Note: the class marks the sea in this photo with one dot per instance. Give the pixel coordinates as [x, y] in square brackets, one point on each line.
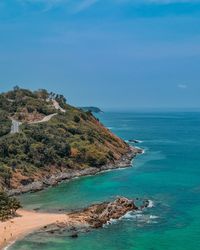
[167, 174]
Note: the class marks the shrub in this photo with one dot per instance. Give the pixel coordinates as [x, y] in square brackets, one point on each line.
[8, 206]
[76, 119]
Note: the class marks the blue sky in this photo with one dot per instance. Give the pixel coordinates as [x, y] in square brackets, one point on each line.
[108, 53]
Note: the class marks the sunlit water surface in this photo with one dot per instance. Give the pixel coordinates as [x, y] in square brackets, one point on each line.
[168, 174]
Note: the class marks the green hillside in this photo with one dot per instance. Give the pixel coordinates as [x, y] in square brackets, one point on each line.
[71, 139]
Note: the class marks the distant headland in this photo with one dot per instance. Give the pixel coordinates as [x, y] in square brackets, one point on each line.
[92, 109]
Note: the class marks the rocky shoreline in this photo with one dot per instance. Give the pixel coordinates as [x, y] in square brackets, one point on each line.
[93, 217]
[54, 179]
[71, 224]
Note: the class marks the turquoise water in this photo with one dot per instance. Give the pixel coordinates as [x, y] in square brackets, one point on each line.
[168, 174]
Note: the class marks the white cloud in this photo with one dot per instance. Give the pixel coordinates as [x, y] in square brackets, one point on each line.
[85, 4]
[76, 6]
[44, 1]
[47, 4]
[182, 86]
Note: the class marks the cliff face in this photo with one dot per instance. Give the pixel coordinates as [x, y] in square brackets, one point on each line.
[53, 138]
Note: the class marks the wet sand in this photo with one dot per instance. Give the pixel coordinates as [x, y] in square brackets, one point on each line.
[26, 222]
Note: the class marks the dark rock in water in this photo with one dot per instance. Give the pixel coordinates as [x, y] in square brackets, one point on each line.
[74, 235]
[145, 204]
[134, 141]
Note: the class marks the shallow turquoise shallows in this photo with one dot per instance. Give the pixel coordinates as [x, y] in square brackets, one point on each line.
[168, 174]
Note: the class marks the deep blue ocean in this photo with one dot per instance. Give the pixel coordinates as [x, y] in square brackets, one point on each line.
[168, 173]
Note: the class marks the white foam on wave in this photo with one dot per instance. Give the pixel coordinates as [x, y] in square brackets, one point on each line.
[134, 142]
[110, 128]
[110, 222]
[151, 204]
[138, 141]
[140, 218]
[137, 216]
[153, 217]
[8, 246]
[143, 151]
[130, 215]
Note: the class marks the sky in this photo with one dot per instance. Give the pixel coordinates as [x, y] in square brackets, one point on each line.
[121, 54]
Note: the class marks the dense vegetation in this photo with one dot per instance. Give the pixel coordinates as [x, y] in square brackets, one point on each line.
[5, 123]
[71, 140]
[8, 206]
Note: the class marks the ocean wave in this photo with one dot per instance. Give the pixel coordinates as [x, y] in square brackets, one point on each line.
[134, 142]
[132, 215]
[110, 222]
[143, 150]
[153, 217]
[140, 218]
[110, 128]
[138, 141]
[151, 204]
[9, 245]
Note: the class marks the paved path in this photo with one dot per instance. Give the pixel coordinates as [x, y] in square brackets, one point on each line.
[57, 106]
[45, 119]
[15, 126]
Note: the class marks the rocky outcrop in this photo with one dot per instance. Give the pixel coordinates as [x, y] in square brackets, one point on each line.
[94, 216]
[98, 215]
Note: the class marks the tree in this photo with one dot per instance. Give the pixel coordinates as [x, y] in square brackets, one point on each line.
[76, 119]
[8, 206]
[5, 174]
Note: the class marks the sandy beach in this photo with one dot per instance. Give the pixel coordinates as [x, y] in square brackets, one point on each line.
[25, 223]
[95, 216]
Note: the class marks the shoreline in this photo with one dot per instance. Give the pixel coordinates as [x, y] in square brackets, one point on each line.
[12, 229]
[26, 222]
[93, 217]
[55, 179]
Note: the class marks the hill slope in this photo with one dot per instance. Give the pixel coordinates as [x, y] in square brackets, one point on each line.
[70, 140]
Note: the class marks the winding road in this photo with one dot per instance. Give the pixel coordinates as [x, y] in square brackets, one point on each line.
[57, 106]
[15, 126]
[45, 119]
